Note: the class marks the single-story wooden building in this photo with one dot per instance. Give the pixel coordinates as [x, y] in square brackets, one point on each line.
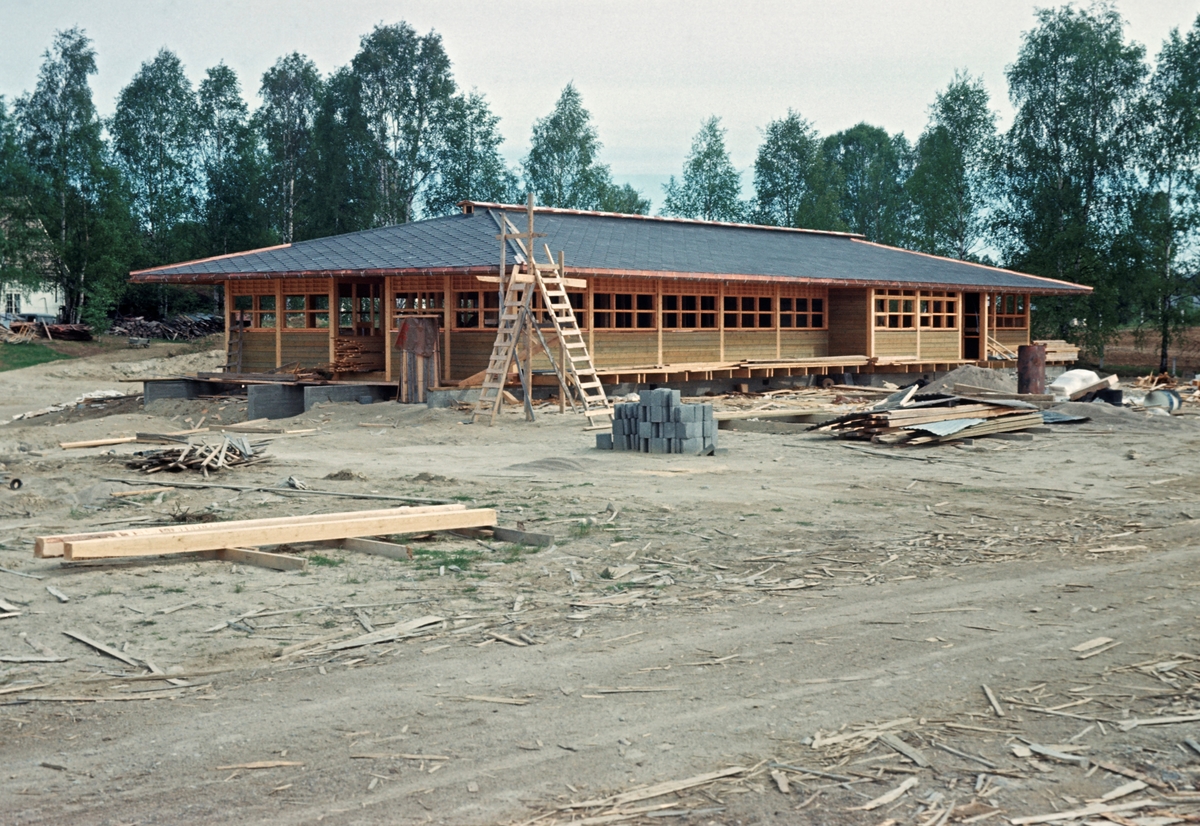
[666, 299]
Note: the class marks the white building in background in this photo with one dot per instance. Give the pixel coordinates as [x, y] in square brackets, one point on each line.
[16, 301]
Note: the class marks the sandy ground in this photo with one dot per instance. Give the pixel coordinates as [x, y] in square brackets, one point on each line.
[792, 604]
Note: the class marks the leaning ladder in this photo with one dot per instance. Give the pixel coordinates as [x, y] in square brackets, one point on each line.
[577, 361]
[514, 314]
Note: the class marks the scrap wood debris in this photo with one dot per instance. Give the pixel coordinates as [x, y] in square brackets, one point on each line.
[907, 417]
[179, 327]
[232, 451]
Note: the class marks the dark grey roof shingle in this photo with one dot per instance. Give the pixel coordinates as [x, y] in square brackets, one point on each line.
[600, 242]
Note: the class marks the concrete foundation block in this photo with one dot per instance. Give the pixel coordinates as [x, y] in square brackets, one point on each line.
[274, 401]
[321, 393]
[691, 446]
[604, 441]
[449, 397]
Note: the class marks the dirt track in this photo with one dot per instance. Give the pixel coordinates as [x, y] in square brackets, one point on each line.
[912, 578]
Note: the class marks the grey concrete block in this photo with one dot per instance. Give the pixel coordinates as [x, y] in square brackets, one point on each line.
[321, 393]
[658, 414]
[689, 430]
[658, 445]
[181, 389]
[673, 398]
[706, 411]
[604, 441]
[692, 447]
[646, 398]
[708, 429]
[451, 396]
[645, 430]
[274, 401]
[689, 413]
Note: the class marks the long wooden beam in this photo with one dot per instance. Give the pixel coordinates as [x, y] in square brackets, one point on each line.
[47, 546]
[218, 537]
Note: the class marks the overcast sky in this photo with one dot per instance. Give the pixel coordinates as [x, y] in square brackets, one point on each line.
[649, 72]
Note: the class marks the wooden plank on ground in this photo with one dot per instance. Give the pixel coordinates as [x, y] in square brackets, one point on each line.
[50, 546]
[391, 550]
[523, 537]
[262, 559]
[104, 649]
[116, 440]
[217, 536]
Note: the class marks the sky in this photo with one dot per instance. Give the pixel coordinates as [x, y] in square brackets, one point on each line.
[649, 72]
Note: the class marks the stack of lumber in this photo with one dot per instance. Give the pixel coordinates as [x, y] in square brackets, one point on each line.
[232, 451]
[1058, 350]
[17, 334]
[906, 418]
[179, 327]
[68, 332]
[232, 540]
[357, 355]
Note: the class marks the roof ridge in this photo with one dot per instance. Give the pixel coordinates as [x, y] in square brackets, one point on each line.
[659, 218]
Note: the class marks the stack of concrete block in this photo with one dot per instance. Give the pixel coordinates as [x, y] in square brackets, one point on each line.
[659, 423]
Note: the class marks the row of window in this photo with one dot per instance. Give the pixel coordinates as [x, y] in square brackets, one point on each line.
[893, 310]
[905, 309]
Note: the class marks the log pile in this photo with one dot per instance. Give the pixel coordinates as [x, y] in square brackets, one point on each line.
[232, 451]
[358, 355]
[179, 327]
[909, 419]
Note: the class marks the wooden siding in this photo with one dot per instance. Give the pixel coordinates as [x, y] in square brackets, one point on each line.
[618, 348]
[258, 351]
[895, 343]
[848, 319]
[308, 348]
[1011, 337]
[469, 352]
[799, 344]
[690, 346]
[940, 345]
[749, 344]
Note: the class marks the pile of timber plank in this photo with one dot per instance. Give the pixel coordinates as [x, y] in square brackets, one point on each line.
[179, 327]
[357, 355]
[911, 419]
[232, 540]
[1058, 350]
[232, 451]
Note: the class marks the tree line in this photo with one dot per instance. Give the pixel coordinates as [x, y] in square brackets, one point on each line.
[1096, 181]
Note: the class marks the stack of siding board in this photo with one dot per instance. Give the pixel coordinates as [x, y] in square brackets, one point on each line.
[911, 419]
[1059, 350]
[357, 355]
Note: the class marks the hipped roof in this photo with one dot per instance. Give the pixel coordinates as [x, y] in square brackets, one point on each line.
[609, 244]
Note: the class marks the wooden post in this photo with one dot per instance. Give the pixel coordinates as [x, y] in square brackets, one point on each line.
[562, 347]
[917, 317]
[448, 304]
[985, 310]
[1031, 368]
[334, 321]
[229, 317]
[870, 324]
[591, 319]
[721, 321]
[960, 320]
[385, 323]
[279, 317]
[778, 331]
[658, 318]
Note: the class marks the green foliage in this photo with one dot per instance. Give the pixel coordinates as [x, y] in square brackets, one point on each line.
[154, 143]
[75, 195]
[562, 169]
[405, 88]
[869, 168]
[1067, 167]
[432, 559]
[623, 199]
[953, 175]
[791, 178]
[325, 561]
[286, 122]
[710, 188]
[1163, 254]
[469, 166]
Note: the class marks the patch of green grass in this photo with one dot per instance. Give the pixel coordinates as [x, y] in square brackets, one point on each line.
[174, 591]
[329, 623]
[16, 356]
[151, 586]
[353, 580]
[324, 561]
[777, 510]
[582, 529]
[104, 592]
[462, 497]
[238, 588]
[431, 559]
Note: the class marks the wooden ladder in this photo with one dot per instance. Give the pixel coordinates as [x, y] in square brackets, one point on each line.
[577, 368]
[514, 314]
